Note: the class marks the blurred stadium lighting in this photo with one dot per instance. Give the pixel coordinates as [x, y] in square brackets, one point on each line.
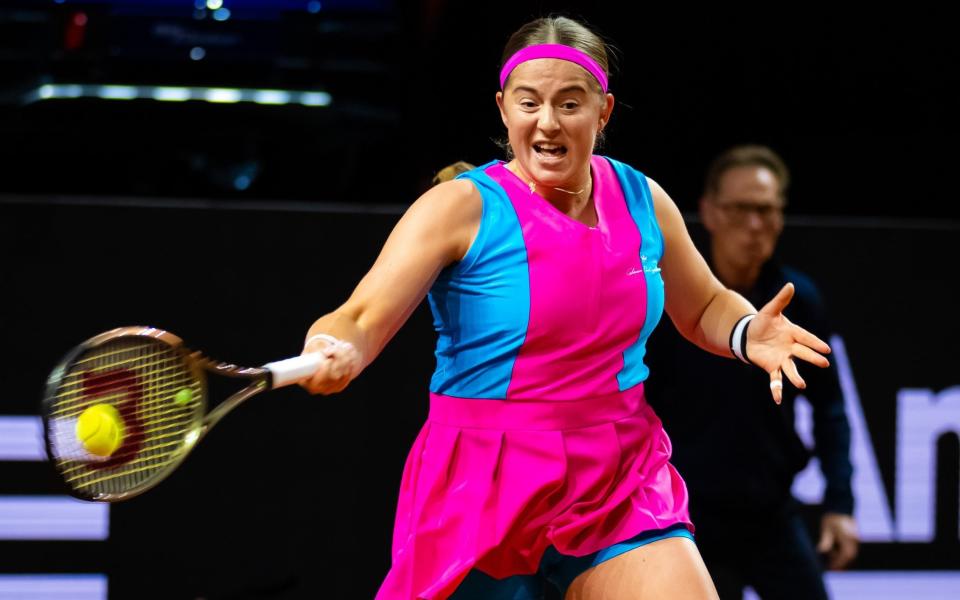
[220, 95]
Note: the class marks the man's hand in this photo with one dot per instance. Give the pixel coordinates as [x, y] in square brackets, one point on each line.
[839, 540]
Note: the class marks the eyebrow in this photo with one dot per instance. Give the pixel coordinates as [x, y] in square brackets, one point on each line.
[569, 88]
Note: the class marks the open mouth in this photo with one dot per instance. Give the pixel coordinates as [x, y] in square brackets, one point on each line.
[550, 150]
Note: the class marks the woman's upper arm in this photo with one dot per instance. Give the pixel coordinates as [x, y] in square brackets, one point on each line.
[435, 231]
[688, 282]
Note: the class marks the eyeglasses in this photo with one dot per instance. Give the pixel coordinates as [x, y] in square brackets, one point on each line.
[739, 212]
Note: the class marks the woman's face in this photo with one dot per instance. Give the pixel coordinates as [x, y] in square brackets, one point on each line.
[553, 111]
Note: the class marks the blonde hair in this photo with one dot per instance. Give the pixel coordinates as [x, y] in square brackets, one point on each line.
[558, 30]
[451, 171]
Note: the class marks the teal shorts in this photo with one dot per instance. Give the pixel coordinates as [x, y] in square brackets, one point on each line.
[558, 569]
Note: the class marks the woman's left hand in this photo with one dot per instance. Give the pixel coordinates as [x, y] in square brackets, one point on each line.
[773, 342]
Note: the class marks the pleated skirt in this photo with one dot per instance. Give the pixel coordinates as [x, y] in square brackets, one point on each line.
[491, 484]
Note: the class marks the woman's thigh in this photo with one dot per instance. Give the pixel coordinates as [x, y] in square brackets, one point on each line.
[670, 568]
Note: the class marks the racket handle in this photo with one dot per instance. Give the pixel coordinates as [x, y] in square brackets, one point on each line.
[292, 370]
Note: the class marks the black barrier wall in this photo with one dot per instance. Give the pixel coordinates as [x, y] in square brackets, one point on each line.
[293, 496]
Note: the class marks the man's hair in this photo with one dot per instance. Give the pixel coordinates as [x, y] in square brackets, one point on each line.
[751, 155]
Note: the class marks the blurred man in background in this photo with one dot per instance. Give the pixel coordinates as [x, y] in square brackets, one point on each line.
[737, 450]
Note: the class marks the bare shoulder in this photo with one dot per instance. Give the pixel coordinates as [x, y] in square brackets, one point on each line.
[457, 200]
[664, 206]
[449, 212]
[462, 194]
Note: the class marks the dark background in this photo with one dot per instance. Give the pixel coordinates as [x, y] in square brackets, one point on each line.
[861, 102]
[117, 213]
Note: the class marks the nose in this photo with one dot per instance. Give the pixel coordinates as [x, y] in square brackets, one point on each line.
[547, 122]
[755, 220]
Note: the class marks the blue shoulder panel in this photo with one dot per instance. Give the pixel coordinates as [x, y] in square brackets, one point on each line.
[481, 305]
[636, 190]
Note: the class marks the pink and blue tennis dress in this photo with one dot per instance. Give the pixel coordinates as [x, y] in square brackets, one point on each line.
[539, 437]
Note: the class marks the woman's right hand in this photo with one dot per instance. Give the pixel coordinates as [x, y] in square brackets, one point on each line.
[342, 363]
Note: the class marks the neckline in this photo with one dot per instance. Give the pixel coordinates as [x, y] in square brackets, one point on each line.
[525, 188]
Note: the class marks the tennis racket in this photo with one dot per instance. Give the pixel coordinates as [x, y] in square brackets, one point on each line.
[122, 410]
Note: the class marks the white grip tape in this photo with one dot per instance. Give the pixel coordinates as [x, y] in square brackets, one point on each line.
[292, 370]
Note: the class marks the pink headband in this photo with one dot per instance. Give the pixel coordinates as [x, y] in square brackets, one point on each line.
[558, 51]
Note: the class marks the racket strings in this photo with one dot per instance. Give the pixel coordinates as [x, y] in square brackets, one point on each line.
[176, 427]
[77, 384]
[140, 377]
[82, 400]
[136, 465]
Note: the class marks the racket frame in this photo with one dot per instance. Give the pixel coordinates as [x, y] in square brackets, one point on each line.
[261, 379]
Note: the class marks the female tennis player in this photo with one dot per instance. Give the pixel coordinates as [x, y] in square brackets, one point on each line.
[540, 460]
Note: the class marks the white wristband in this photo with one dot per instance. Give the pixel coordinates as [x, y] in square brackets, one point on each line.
[322, 336]
[738, 338]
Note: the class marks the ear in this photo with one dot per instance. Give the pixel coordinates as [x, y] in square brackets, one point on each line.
[503, 112]
[607, 110]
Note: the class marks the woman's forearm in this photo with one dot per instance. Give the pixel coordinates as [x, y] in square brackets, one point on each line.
[712, 332]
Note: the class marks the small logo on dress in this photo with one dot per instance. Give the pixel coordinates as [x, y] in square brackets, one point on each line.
[646, 267]
[635, 271]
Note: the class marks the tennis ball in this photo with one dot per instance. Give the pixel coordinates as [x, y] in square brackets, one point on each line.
[183, 397]
[100, 429]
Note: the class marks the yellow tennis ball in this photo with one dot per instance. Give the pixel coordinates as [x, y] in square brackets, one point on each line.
[100, 429]
[183, 397]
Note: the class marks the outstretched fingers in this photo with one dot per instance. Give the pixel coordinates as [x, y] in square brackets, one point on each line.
[776, 385]
[785, 342]
[808, 339]
[811, 356]
[779, 302]
[789, 369]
